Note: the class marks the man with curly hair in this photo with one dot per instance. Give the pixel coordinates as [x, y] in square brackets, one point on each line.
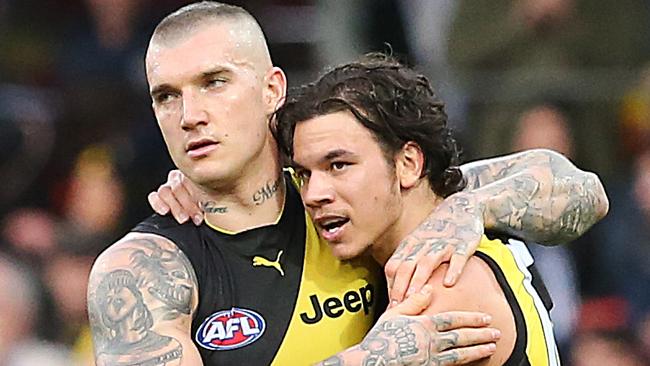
[370, 144]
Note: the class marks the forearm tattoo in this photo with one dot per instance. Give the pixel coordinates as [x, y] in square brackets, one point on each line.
[455, 223]
[125, 304]
[539, 195]
[404, 341]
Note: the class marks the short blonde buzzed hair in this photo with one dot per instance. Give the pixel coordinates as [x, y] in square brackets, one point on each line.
[188, 19]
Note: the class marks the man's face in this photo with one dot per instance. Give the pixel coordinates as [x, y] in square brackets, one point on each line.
[349, 189]
[208, 98]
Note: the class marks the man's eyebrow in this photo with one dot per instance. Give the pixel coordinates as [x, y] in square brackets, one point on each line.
[336, 154]
[161, 89]
[215, 71]
[328, 157]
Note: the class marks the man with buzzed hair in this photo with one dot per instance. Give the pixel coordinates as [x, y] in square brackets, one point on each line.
[214, 293]
[255, 284]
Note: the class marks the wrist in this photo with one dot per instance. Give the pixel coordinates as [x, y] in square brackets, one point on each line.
[478, 202]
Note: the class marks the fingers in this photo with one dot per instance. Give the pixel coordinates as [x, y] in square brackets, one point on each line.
[166, 194]
[175, 196]
[182, 192]
[425, 267]
[461, 255]
[467, 337]
[402, 271]
[460, 319]
[415, 303]
[390, 269]
[461, 356]
[456, 266]
[157, 204]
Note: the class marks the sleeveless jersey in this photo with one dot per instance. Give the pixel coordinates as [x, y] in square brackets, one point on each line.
[512, 265]
[274, 295]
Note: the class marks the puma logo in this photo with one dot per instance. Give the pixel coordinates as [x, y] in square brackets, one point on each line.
[261, 261]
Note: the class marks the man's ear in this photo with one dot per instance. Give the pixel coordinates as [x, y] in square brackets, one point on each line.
[275, 89]
[409, 165]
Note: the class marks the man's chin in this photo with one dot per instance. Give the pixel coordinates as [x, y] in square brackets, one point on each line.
[344, 251]
[206, 178]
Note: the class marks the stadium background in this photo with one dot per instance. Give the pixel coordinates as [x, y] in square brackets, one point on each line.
[80, 149]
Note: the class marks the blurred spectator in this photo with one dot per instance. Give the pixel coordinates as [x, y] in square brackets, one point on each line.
[643, 333]
[416, 31]
[100, 72]
[28, 41]
[30, 234]
[623, 252]
[19, 303]
[511, 54]
[547, 126]
[93, 202]
[66, 278]
[342, 37]
[543, 126]
[604, 337]
[27, 117]
[635, 117]
[605, 348]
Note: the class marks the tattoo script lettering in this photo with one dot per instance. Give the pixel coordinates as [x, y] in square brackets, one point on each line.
[266, 192]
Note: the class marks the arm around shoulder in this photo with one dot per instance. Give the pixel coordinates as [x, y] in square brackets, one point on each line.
[537, 194]
[142, 294]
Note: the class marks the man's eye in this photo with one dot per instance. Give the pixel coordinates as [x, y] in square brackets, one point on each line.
[215, 83]
[163, 98]
[339, 165]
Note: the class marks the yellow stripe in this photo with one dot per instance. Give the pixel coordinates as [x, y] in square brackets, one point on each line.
[536, 346]
[327, 277]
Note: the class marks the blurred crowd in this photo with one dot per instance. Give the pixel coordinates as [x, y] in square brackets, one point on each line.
[80, 148]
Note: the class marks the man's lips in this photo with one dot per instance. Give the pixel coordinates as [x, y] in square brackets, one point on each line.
[200, 148]
[331, 226]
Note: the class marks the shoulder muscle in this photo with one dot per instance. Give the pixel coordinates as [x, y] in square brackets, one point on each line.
[477, 290]
[141, 296]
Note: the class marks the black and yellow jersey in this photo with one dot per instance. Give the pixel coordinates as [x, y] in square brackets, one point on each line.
[274, 295]
[513, 267]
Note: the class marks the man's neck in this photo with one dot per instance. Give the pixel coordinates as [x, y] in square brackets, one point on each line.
[417, 205]
[255, 198]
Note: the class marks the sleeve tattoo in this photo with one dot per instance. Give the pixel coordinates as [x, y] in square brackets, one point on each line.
[155, 285]
[403, 341]
[538, 194]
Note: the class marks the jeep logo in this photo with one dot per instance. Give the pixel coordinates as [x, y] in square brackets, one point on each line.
[333, 307]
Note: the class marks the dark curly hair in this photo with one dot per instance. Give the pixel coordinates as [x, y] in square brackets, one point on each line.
[394, 102]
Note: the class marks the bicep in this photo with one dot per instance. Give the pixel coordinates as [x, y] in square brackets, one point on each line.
[141, 297]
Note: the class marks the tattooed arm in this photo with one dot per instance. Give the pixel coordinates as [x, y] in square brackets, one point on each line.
[401, 338]
[537, 194]
[142, 294]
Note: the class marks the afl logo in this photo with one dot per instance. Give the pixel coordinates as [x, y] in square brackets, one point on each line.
[230, 329]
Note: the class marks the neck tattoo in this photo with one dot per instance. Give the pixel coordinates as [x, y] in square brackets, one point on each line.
[267, 191]
[211, 207]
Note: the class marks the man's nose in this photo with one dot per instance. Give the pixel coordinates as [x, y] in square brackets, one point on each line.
[317, 190]
[194, 112]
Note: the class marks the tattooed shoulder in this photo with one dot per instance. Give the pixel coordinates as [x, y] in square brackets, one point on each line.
[137, 288]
